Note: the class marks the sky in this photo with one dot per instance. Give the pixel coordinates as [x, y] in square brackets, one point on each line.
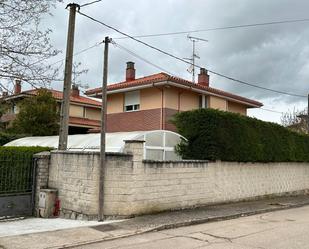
[272, 56]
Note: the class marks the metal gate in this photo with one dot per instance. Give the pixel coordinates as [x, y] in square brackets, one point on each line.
[17, 178]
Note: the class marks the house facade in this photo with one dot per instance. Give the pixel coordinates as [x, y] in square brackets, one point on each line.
[149, 103]
[84, 111]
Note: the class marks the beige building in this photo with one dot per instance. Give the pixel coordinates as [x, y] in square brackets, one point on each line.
[148, 103]
[85, 112]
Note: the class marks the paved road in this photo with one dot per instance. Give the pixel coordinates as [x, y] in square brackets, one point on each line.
[287, 229]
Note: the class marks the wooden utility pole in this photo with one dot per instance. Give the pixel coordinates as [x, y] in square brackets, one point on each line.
[65, 104]
[308, 116]
[103, 130]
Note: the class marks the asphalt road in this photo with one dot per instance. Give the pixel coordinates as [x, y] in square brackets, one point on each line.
[287, 229]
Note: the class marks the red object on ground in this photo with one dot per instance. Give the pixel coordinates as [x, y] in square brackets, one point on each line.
[57, 208]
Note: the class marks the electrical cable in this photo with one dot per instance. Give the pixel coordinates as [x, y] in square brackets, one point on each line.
[183, 60]
[141, 58]
[269, 110]
[164, 70]
[218, 28]
[87, 4]
[5, 88]
[79, 52]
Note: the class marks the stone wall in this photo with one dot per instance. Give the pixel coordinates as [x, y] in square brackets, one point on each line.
[175, 185]
[76, 176]
[42, 175]
[134, 186]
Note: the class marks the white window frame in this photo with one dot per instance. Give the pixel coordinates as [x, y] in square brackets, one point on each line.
[204, 101]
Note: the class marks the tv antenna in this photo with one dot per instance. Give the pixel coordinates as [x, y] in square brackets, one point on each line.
[191, 69]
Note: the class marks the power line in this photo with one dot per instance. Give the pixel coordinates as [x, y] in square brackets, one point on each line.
[183, 60]
[218, 28]
[269, 110]
[164, 70]
[141, 58]
[5, 88]
[87, 4]
[79, 52]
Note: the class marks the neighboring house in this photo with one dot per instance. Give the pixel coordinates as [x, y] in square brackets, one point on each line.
[84, 111]
[148, 103]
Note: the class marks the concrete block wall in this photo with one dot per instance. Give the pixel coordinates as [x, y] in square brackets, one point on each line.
[76, 176]
[163, 186]
[133, 186]
[150, 186]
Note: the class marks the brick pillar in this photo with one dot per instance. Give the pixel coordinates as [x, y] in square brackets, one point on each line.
[136, 148]
[42, 174]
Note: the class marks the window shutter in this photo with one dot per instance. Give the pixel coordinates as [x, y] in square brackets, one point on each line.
[132, 98]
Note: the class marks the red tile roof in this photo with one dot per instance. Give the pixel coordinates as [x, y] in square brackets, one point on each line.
[165, 77]
[84, 122]
[58, 95]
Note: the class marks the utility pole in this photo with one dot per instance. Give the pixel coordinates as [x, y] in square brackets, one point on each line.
[65, 104]
[103, 131]
[308, 116]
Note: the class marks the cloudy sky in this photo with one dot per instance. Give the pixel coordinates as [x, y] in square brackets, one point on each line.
[272, 56]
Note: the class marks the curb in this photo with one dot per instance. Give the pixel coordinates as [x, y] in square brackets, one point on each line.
[183, 224]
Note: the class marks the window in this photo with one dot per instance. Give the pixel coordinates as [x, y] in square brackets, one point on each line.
[15, 109]
[131, 102]
[203, 101]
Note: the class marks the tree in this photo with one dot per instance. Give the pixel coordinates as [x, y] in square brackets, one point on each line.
[37, 115]
[295, 120]
[24, 47]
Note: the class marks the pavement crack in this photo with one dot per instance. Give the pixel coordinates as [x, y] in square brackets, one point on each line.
[218, 237]
[186, 236]
[245, 235]
[203, 240]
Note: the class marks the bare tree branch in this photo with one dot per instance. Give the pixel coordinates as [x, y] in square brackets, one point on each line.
[25, 48]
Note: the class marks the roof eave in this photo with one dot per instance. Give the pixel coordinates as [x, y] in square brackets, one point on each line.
[248, 104]
[175, 84]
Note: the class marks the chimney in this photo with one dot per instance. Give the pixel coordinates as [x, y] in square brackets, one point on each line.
[203, 77]
[17, 87]
[130, 72]
[75, 91]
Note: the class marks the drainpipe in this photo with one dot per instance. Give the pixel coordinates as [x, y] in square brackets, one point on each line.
[162, 109]
[162, 102]
[179, 94]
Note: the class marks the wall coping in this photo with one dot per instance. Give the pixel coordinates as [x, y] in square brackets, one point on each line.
[79, 152]
[177, 161]
[43, 154]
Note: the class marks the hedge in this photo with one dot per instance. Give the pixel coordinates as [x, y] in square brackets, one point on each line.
[16, 168]
[217, 135]
[8, 137]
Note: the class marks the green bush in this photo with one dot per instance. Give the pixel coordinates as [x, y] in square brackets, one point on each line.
[217, 135]
[16, 168]
[8, 137]
[21, 151]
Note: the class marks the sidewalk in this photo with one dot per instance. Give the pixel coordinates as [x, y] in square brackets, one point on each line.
[68, 238]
